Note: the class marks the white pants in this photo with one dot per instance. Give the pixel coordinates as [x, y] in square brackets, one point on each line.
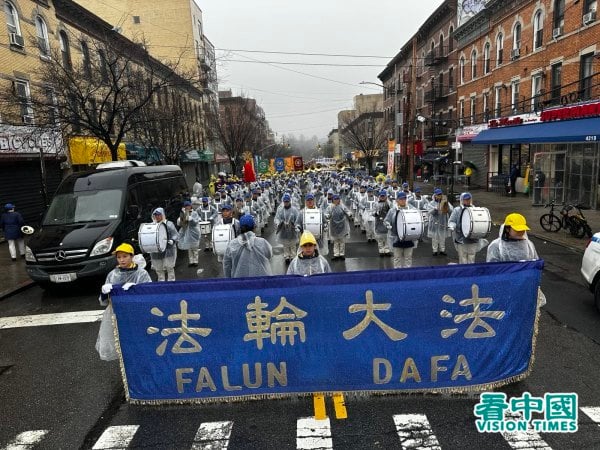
[402, 257]
[382, 244]
[193, 255]
[289, 249]
[438, 244]
[12, 247]
[466, 253]
[160, 268]
[207, 238]
[339, 247]
[370, 228]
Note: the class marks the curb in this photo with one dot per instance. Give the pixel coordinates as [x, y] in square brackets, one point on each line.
[16, 289]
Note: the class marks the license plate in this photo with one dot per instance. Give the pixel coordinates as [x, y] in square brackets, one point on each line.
[63, 277]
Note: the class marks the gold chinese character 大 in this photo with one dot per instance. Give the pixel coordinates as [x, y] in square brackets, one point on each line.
[283, 323]
[185, 343]
[478, 328]
[369, 308]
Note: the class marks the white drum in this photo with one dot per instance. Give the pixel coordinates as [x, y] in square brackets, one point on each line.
[313, 222]
[476, 222]
[205, 227]
[409, 223]
[221, 235]
[425, 215]
[153, 237]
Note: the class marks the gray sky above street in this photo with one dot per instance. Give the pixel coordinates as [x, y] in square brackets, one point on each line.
[307, 103]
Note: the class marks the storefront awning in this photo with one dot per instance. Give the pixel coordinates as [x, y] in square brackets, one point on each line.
[581, 130]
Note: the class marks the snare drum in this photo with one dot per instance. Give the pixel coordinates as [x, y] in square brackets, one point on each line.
[476, 222]
[153, 237]
[205, 227]
[221, 235]
[313, 222]
[409, 223]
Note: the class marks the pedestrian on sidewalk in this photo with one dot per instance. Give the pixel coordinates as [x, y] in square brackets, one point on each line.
[514, 174]
[11, 223]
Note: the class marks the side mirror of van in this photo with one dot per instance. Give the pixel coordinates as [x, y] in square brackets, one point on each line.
[133, 212]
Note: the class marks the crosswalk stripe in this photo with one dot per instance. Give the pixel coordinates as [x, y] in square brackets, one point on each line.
[40, 320]
[26, 440]
[592, 412]
[116, 437]
[213, 436]
[415, 432]
[529, 439]
[313, 434]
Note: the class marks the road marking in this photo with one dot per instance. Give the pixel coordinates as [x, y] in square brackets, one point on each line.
[26, 440]
[529, 439]
[340, 406]
[313, 434]
[116, 437]
[415, 432]
[319, 404]
[42, 320]
[213, 436]
[592, 412]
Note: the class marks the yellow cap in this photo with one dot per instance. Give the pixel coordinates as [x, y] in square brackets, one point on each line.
[516, 221]
[126, 248]
[307, 238]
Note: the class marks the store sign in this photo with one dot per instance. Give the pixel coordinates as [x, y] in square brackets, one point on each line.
[28, 140]
[571, 112]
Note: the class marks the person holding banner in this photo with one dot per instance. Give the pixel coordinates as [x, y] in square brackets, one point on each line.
[247, 255]
[189, 231]
[165, 261]
[287, 224]
[466, 247]
[308, 261]
[403, 249]
[339, 228]
[438, 213]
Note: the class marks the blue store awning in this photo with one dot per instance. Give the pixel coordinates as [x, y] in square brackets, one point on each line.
[580, 130]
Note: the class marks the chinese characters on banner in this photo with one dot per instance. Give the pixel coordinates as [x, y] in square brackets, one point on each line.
[420, 329]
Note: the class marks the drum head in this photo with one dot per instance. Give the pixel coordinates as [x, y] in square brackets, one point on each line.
[409, 224]
[466, 221]
[153, 237]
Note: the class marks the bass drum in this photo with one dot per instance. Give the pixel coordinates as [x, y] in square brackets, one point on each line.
[221, 235]
[409, 224]
[476, 222]
[153, 237]
[313, 222]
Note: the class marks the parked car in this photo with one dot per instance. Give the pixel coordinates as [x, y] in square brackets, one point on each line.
[590, 267]
[93, 212]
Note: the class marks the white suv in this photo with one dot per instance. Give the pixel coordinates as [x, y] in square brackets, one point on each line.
[590, 267]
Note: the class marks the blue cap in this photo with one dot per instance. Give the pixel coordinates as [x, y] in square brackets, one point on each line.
[247, 221]
[187, 203]
[310, 197]
[286, 198]
[466, 195]
[225, 206]
[9, 206]
[405, 184]
[205, 199]
[336, 197]
[383, 192]
[239, 199]
[369, 189]
[401, 195]
[437, 191]
[417, 189]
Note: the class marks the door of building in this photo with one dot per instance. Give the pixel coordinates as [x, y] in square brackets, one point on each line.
[581, 176]
[548, 178]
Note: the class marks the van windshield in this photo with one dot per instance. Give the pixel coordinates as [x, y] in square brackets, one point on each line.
[84, 206]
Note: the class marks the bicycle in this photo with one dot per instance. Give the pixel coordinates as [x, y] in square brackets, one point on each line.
[576, 223]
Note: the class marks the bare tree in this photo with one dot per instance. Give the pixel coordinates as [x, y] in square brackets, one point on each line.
[366, 133]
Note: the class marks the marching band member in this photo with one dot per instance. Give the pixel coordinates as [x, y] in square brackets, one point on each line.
[513, 243]
[189, 232]
[381, 231]
[367, 208]
[165, 261]
[322, 242]
[287, 224]
[308, 261]
[247, 255]
[207, 213]
[339, 229]
[439, 210]
[226, 217]
[238, 207]
[466, 247]
[403, 249]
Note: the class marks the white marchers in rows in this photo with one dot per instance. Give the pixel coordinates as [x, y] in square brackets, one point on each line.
[414, 433]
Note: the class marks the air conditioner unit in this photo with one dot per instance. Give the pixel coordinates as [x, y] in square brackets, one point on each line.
[515, 53]
[589, 17]
[556, 32]
[28, 119]
[17, 40]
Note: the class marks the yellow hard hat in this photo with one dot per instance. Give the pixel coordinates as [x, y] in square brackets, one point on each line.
[516, 221]
[307, 238]
[126, 248]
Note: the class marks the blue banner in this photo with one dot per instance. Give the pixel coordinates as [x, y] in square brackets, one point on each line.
[455, 327]
[279, 164]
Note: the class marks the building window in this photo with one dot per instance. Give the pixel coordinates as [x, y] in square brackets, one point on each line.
[42, 36]
[85, 56]
[536, 92]
[51, 104]
[12, 18]
[461, 69]
[136, 19]
[486, 58]
[65, 50]
[442, 52]
[499, 49]
[514, 96]
[103, 66]
[461, 112]
[451, 40]
[497, 101]
[474, 64]
[556, 83]
[559, 17]
[538, 30]
[585, 78]
[24, 95]
[473, 106]
[451, 79]
[486, 106]
[516, 47]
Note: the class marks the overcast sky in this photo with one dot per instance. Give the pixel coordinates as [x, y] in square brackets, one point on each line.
[306, 103]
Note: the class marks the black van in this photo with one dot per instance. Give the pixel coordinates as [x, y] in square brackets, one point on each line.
[92, 213]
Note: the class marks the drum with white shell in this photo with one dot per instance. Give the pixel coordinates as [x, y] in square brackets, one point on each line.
[152, 237]
[409, 224]
[476, 222]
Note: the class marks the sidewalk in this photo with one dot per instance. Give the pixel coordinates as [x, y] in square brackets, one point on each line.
[16, 279]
